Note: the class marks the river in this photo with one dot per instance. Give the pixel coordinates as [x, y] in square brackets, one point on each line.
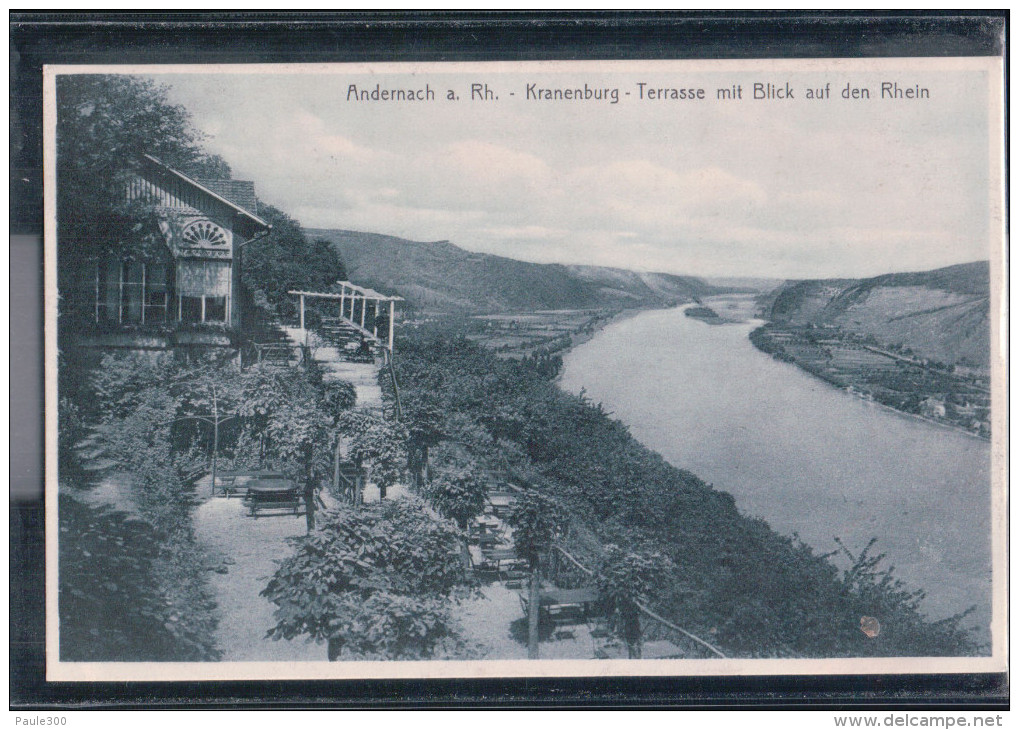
[805, 456]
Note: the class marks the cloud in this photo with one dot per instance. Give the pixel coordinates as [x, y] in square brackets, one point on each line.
[487, 163]
[524, 232]
[824, 190]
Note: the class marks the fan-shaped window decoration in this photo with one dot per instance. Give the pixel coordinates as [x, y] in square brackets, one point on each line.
[204, 233]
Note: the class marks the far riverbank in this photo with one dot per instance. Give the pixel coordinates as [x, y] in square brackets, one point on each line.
[909, 386]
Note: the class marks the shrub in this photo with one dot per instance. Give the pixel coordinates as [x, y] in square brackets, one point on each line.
[374, 581]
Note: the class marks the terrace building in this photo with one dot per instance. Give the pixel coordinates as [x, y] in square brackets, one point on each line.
[188, 292]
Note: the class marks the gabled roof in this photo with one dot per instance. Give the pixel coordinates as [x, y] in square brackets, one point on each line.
[243, 189]
[241, 192]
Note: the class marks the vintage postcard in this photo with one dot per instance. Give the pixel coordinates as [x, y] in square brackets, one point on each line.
[525, 369]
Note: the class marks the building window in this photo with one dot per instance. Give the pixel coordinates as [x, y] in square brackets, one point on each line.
[190, 309]
[131, 292]
[157, 293]
[215, 309]
[203, 290]
[108, 292]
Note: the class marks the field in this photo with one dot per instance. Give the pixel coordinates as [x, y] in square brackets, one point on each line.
[519, 335]
[952, 395]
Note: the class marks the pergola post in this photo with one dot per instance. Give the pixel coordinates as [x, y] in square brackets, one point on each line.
[343, 296]
[364, 306]
[375, 317]
[302, 311]
[392, 311]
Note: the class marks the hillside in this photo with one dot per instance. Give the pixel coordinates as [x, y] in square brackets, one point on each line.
[750, 283]
[440, 275]
[941, 315]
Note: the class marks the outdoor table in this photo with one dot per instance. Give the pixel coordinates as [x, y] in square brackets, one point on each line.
[501, 502]
[568, 596]
[494, 559]
[273, 493]
[502, 498]
[661, 649]
[499, 555]
[269, 485]
[252, 473]
[560, 604]
[227, 479]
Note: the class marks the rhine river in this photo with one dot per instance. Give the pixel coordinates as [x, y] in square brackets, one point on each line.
[805, 456]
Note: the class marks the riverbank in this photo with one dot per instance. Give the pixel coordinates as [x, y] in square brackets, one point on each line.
[540, 338]
[912, 387]
[542, 333]
[588, 334]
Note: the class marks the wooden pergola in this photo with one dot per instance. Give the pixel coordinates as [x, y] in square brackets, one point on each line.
[352, 293]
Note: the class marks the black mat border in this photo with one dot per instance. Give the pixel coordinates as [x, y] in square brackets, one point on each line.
[188, 37]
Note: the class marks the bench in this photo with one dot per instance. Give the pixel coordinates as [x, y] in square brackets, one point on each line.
[276, 494]
[501, 503]
[226, 483]
[279, 354]
[513, 577]
[288, 501]
[227, 479]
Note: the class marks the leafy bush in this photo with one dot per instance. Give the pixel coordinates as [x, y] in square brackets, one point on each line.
[537, 521]
[626, 578]
[374, 581]
[122, 596]
[457, 490]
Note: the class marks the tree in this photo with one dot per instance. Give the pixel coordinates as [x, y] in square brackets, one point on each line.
[624, 579]
[299, 427]
[300, 432]
[459, 493]
[377, 445]
[287, 260]
[375, 582]
[537, 523]
[105, 120]
[295, 417]
[424, 417]
[105, 123]
[212, 397]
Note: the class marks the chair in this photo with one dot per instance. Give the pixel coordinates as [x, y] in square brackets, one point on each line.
[523, 601]
[488, 540]
[511, 576]
[227, 483]
[566, 615]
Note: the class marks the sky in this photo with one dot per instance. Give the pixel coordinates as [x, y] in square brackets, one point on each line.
[767, 188]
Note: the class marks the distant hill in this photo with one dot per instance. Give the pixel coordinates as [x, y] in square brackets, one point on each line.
[941, 314]
[439, 275]
[751, 283]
